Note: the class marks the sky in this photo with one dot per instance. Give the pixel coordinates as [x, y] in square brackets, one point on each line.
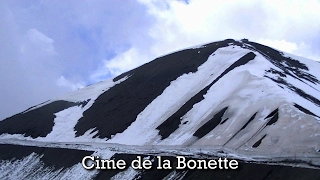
[49, 48]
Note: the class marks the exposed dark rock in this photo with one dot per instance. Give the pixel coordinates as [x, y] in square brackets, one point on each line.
[256, 144]
[211, 124]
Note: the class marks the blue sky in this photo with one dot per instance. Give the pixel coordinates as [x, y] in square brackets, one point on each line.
[52, 47]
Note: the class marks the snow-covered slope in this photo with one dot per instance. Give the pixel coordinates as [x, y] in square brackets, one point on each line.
[229, 98]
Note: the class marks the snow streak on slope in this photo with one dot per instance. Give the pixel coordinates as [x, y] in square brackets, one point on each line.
[55, 120]
[173, 97]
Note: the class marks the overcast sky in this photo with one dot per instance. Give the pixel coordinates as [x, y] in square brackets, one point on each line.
[51, 47]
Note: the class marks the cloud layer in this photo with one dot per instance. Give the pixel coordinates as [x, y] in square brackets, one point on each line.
[51, 47]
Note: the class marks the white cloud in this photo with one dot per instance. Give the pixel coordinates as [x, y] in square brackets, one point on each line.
[62, 81]
[282, 45]
[123, 62]
[178, 25]
[41, 41]
[300, 49]
[52, 47]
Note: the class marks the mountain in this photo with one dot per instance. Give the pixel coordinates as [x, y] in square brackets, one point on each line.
[229, 99]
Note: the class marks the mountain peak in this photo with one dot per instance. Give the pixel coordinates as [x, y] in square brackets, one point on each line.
[242, 98]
